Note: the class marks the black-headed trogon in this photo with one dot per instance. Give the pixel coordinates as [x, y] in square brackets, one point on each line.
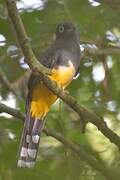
[63, 57]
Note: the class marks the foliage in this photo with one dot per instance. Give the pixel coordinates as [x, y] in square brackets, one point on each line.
[97, 88]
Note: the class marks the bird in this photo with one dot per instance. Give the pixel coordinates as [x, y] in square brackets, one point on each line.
[63, 58]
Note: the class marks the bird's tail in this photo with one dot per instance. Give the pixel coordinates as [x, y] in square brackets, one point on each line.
[30, 140]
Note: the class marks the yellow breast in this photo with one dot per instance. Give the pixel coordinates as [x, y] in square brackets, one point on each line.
[63, 75]
[43, 98]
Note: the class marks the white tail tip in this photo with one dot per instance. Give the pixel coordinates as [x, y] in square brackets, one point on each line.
[21, 163]
[30, 164]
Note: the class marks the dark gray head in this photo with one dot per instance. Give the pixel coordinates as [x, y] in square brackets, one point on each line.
[66, 30]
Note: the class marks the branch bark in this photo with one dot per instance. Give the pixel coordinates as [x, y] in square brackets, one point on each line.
[23, 39]
[92, 161]
[38, 68]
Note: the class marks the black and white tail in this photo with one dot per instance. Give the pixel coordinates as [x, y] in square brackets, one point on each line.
[30, 140]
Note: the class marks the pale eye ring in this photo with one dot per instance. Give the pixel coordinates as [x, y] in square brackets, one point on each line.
[61, 29]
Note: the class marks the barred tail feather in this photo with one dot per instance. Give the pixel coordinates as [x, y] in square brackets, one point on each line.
[29, 141]
[34, 142]
[29, 144]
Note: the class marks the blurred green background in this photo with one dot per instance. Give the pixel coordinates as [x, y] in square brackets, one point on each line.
[97, 88]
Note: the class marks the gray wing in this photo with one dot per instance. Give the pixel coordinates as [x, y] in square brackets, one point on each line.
[49, 59]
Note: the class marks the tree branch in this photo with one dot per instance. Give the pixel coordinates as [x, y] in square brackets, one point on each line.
[11, 111]
[92, 161]
[24, 39]
[10, 86]
[111, 50]
[37, 67]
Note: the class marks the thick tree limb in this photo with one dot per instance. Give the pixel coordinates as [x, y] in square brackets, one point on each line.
[101, 168]
[23, 39]
[36, 67]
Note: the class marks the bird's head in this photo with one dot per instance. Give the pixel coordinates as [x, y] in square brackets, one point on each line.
[65, 30]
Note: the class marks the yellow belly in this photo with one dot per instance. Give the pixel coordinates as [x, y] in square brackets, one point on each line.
[43, 98]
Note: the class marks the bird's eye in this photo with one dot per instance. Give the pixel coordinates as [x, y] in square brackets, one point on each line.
[61, 29]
